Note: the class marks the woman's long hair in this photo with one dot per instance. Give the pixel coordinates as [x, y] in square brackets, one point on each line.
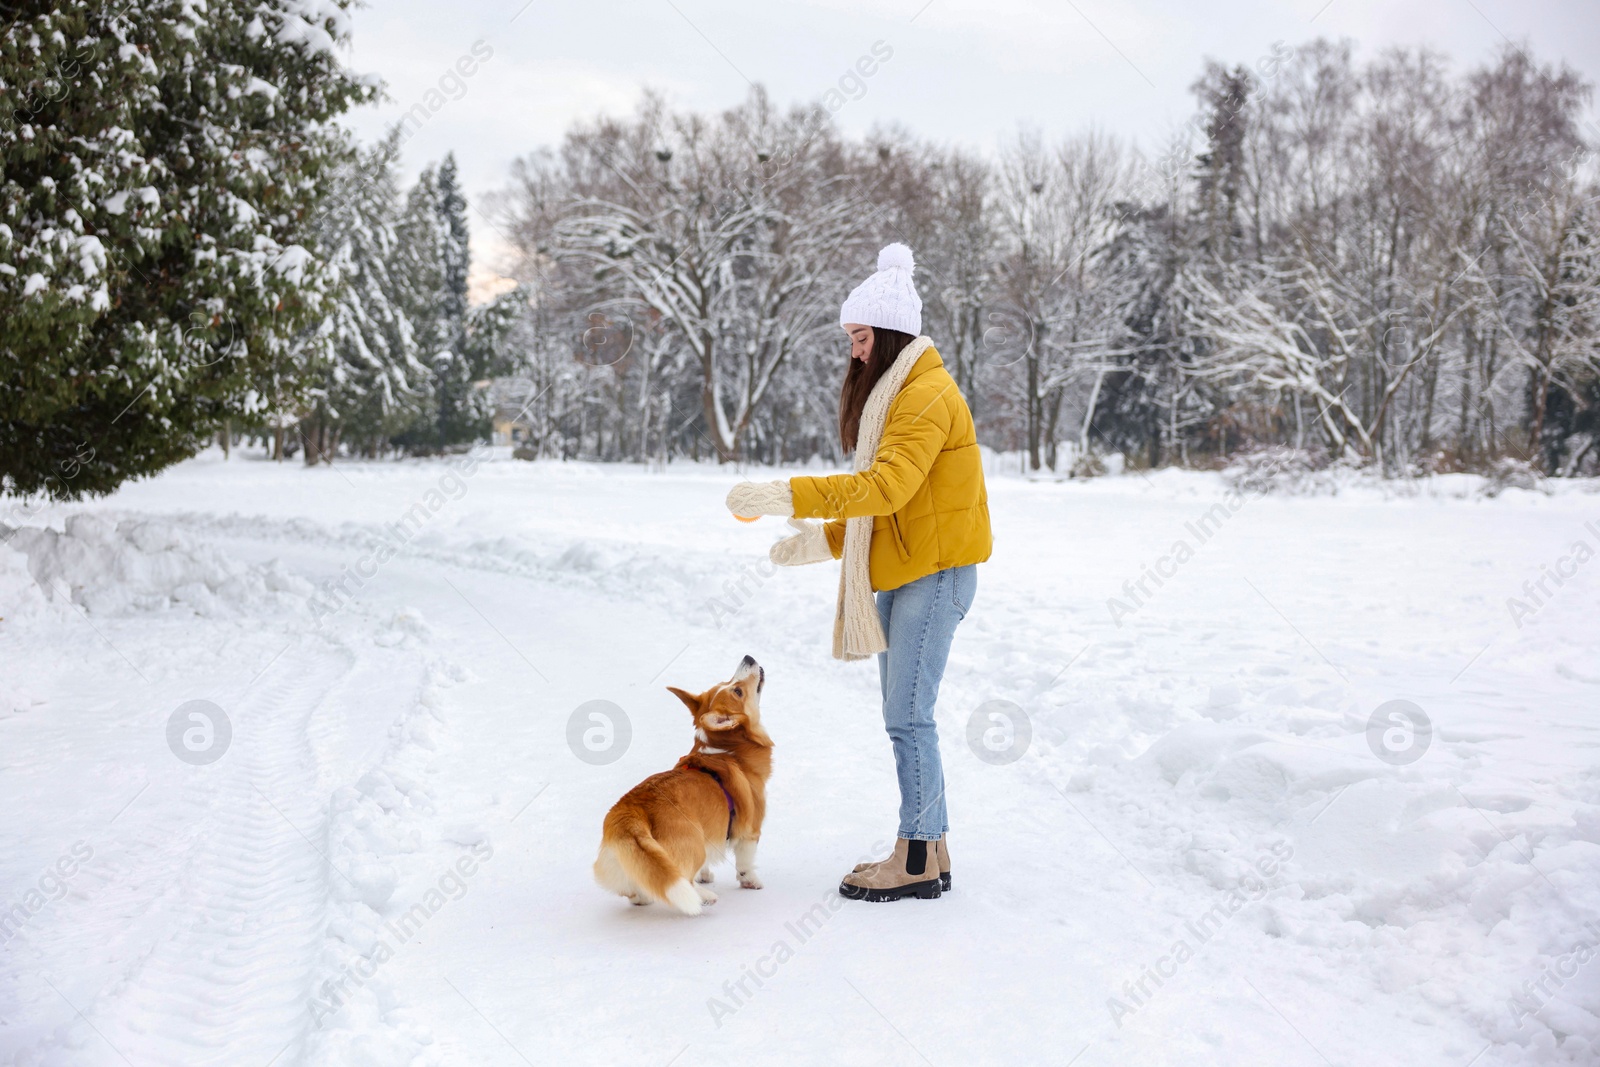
[862, 376]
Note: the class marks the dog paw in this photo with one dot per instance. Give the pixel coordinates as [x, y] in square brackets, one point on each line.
[706, 895]
[705, 877]
[749, 881]
[638, 901]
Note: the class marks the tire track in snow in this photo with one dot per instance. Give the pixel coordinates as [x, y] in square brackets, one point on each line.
[226, 982]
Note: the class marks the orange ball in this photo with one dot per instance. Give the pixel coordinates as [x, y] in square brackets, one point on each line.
[747, 518]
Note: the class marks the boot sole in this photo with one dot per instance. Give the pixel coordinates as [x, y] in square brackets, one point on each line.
[944, 878]
[929, 890]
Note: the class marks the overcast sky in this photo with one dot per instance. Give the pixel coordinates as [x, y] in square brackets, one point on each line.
[966, 71]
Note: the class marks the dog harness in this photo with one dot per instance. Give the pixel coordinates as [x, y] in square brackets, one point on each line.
[725, 794]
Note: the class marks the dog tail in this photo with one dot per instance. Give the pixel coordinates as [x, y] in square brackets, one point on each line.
[648, 866]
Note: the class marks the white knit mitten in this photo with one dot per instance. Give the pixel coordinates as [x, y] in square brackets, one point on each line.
[810, 545]
[761, 498]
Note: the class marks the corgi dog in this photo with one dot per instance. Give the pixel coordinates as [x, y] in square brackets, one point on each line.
[660, 840]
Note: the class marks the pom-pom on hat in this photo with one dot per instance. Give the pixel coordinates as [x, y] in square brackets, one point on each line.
[889, 298]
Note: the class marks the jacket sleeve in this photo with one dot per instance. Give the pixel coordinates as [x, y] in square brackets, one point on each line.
[917, 428]
[834, 532]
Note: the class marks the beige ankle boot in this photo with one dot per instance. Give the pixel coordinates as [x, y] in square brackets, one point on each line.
[944, 863]
[912, 871]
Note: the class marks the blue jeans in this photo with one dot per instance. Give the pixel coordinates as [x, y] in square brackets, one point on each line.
[920, 619]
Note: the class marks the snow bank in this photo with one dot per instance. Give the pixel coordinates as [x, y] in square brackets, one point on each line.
[376, 835]
[138, 565]
[22, 604]
[710, 583]
[1286, 472]
[1473, 887]
[21, 599]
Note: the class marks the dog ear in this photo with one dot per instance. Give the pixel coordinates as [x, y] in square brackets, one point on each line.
[689, 699]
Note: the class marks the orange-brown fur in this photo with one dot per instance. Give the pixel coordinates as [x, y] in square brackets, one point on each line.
[659, 841]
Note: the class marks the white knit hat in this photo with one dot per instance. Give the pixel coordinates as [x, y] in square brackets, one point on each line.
[889, 298]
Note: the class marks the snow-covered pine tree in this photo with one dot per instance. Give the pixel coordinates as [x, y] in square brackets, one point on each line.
[419, 265]
[158, 163]
[463, 413]
[1565, 346]
[488, 338]
[1219, 169]
[434, 260]
[1136, 388]
[418, 273]
[373, 382]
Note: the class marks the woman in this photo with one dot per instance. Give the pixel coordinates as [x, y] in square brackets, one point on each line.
[911, 524]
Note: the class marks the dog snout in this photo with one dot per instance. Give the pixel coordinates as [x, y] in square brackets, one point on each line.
[749, 666]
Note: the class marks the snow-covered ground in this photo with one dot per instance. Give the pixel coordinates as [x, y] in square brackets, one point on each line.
[1174, 838]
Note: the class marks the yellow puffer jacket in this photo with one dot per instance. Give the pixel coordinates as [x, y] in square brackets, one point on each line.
[924, 489]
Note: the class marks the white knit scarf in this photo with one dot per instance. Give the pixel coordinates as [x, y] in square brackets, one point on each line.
[857, 633]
